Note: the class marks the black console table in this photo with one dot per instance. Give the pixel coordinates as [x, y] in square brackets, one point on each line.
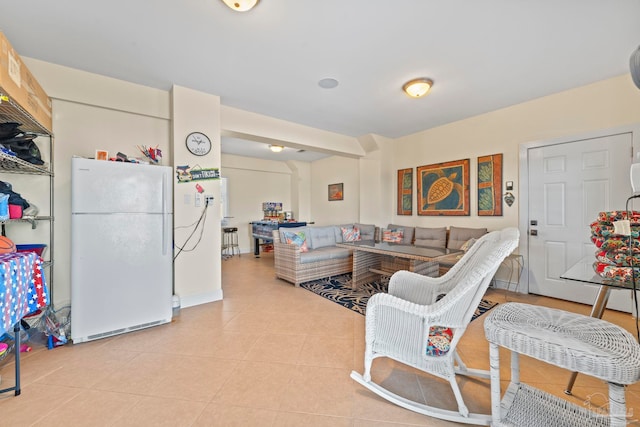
[262, 230]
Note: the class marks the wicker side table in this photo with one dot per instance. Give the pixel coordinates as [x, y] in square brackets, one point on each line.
[576, 342]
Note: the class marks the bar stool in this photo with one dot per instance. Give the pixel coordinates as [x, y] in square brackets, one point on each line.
[230, 242]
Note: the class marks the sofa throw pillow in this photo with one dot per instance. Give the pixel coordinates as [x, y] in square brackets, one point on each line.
[407, 231]
[459, 235]
[350, 234]
[298, 239]
[467, 245]
[367, 231]
[393, 236]
[439, 341]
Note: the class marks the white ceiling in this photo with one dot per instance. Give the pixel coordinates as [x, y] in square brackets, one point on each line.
[482, 54]
[243, 147]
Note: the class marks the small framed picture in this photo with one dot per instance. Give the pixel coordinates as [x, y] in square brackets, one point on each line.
[336, 192]
[102, 155]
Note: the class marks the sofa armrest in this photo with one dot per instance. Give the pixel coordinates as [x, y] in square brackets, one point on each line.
[286, 253]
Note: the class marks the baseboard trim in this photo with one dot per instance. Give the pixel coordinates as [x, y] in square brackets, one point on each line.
[198, 299]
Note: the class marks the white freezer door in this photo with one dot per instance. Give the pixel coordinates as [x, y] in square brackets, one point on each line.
[103, 186]
[121, 273]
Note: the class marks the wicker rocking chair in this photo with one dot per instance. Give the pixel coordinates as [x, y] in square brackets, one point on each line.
[402, 323]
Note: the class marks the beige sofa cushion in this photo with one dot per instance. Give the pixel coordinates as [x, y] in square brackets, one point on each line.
[459, 235]
[323, 236]
[434, 237]
[367, 231]
[407, 237]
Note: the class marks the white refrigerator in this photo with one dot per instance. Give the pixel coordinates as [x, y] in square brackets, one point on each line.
[121, 247]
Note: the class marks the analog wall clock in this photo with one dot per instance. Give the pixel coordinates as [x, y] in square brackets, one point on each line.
[198, 143]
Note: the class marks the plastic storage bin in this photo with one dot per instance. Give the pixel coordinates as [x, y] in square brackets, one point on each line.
[37, 248]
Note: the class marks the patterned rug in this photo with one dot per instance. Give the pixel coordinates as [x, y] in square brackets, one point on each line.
[338, 290]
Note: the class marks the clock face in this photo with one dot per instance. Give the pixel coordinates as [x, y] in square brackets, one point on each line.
[198, 143]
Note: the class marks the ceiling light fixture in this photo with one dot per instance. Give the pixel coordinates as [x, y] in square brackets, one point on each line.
[241, 5]
[328, 83]
[276, 148]
[634, 62]
[417, 88]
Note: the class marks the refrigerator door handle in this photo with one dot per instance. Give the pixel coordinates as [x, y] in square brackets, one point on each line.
[164, 193]
[165, 215]
[164, 234]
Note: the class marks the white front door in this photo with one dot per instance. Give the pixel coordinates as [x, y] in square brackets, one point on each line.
[568, 184]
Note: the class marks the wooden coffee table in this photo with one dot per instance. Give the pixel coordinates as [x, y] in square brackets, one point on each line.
[372, 260]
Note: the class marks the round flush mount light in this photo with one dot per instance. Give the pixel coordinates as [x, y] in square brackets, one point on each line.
[417, 88]
[241, 5]
[328, 83]
[634, 63]
[276, 148]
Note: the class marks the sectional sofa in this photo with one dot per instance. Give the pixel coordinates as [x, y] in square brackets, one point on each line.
[460, 238]
[308, 253]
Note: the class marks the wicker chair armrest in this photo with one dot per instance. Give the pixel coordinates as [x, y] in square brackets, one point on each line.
[391, 321]
[418, 288]
[395, 302]
[387, 303]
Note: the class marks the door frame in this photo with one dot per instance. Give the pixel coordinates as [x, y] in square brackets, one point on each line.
[523, 215]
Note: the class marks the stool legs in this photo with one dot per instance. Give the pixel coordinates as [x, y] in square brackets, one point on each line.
[225, 246]
[230, 242]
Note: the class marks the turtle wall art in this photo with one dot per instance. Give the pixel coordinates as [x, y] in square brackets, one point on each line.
[443, 188]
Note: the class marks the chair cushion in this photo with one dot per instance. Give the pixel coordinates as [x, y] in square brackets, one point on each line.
[299, 239]
[350, 234]
[407, 232]
[439, 341]
[319, 237]
[324, 254]
[459, 235]
[435, 237]
[367, 231]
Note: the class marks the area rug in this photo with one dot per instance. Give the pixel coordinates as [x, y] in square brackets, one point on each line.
[338, 289]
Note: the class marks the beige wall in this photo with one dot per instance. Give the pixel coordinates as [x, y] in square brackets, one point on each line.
[335, 170]
[197, 269]
[79, 130]
[98, 112]
[250, 183]
[257, 127]
[605, 104]
[377, 180]
[93, 112]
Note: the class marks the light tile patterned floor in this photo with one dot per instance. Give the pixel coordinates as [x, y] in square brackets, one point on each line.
[268, 355]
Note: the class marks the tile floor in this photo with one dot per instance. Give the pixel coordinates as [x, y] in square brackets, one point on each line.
[270, 354]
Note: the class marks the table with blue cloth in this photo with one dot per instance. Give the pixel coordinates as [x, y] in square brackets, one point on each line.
[23, 291]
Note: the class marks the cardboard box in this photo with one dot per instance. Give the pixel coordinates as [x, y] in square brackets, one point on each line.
[18, 83]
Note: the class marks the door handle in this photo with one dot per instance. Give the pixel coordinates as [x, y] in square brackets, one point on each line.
[533, 232]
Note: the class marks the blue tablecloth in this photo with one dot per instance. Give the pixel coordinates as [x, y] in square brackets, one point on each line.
[23, 288]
